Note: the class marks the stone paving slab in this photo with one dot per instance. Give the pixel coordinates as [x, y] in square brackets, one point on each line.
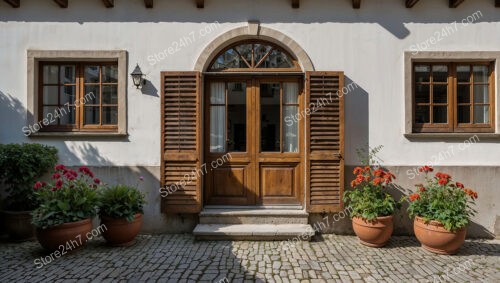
[178, 258]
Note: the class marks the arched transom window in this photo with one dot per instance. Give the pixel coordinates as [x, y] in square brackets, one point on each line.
[254, 56]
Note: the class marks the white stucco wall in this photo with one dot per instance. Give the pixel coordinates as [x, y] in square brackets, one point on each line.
[367, 44]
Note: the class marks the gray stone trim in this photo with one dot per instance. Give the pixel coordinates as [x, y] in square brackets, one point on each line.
[253, 31]
[445, 56]
[35, 56]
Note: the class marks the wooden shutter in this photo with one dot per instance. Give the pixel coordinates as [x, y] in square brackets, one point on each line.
[181, 141]
[325, 141]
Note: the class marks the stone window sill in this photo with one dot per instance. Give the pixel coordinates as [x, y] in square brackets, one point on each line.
[451, 136]
[77, 134]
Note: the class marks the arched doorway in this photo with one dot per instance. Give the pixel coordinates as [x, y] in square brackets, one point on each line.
[253, 89]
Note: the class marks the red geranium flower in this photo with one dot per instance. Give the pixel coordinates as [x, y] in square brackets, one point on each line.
[56, 176]
[414, 197]
[60, 167]
[443, 176]
[59, 183]
[425, 169]
[460, 185]
[37, 185]
[357, 170]
[97, 181]
[367, 168]
[377, 181]
[422, 189]
[443, 181]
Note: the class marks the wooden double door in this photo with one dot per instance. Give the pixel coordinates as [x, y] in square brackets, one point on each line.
[253, 141]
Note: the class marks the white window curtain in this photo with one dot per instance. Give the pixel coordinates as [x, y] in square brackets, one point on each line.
[218, 117]
[290, 126]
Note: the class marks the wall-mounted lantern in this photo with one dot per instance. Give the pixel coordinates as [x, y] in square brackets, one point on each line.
[138, 77]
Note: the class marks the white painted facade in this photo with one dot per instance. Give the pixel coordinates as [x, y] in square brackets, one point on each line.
[367, 44]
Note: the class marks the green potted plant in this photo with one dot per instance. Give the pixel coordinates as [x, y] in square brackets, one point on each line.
[20, 166]
[442, 209]
[370, 206]
[67, 205]
[121, 213]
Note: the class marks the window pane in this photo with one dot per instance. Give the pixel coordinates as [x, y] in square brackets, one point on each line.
[68, 74]
[481, 114]
[422, 73]
[290, 93]
[109, 74]
[481, 94]
[230, 59]
[68, 95]
[50, 95]
[49, 114]
[422, 114]
[93, 94]
[439, 73]
[109, 94]
[422, 94]
[68, 115]
[463, 73]
[463, 114]
[110, 115]
[270, 117]
[440, 94]
[91, 115]
[91, 74]
[218, 93]
[217, 128]
[245, 51]
[50, 73]
[480, 74]
[237, 107]
[260, 51]
[277, 59]
[463, 93]
[440, 114]
[290, 129]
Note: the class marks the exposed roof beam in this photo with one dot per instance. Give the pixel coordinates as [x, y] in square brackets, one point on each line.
[14, 3]
[411, 3]
[200, 4]
[455, 3]
[295, 4]
[148, 3]
[108, 3]
[62, 3]
[356, 4]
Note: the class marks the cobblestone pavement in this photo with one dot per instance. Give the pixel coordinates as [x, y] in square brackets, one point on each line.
[178, 258]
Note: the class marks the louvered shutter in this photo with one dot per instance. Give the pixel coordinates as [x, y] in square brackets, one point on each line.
[325, 141]
[181, 141]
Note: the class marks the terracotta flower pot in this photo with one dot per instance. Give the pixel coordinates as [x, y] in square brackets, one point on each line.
[65, 237]
[120, 232]
[18, 225]
[435, 238]
[374, 233]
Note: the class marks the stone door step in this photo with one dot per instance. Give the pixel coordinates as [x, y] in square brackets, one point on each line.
[253, 216]
[253, 232]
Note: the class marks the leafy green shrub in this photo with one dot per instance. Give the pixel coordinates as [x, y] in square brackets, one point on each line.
[20, 166]
[70, 197]
[442, 200]
[121, 201]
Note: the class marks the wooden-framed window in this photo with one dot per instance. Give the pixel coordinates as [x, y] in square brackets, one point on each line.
[453, 97]
[78, 96]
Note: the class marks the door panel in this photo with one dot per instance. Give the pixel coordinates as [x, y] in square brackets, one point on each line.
[279, 183]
